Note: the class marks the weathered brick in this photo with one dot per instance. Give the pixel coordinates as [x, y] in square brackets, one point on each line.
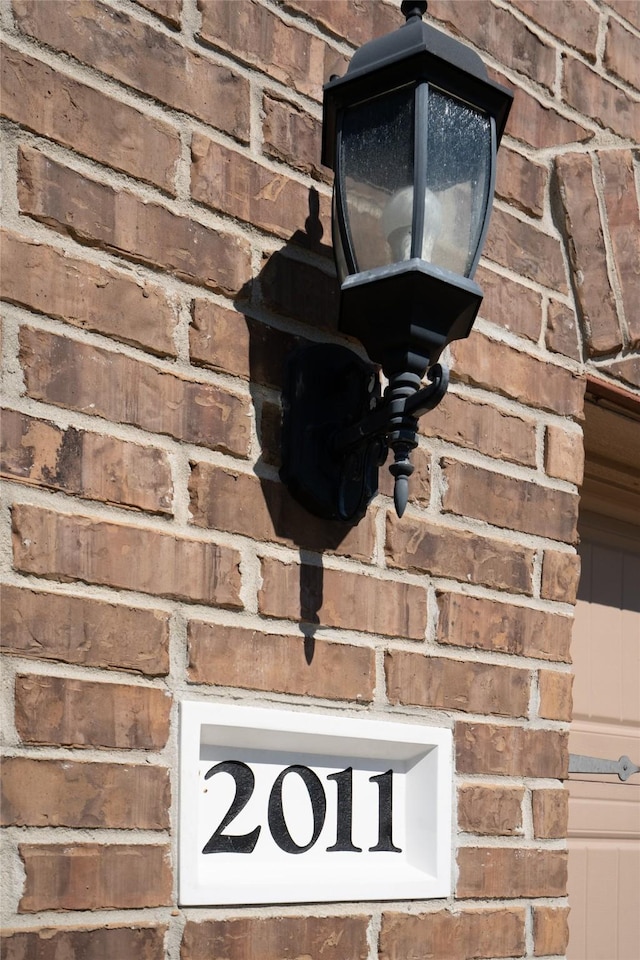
[510, 305]
[238, 657]
[145, 232]
[629, 9]
[502, 627]
[292, 135]
[169, 10]
[350, 19]
[564, 454]
[142, 942]
[587, 251]
[60, 546]
[257, 35]
[82, 713]
[510, 872]
[443, 935]
[269, 431]
[92, 876]
[498, 32]
[562, 334]
[540, 126]
[276, 938]
[592, 95]
[112, 302]
[103, 383]
[94, 124]
[627, 370]
[622, 53]
[85, 464]
[224, 499]
[419, 483]
[623, 222]
[232, 183]
[556, 701]
[56, 626]
[339, 598]
[509, 501]
[521, 182]
[570, 20]
[550, 813]
[510, 751]
[550, 931]
[448, 684]
[300, 290]
[525, 250]
[146, 59]
[480, 426]
[498, 367]
[560, 576]
[63, 793]
[488, 810]
[420, 545]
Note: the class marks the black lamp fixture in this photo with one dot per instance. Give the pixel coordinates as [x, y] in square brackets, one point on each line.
[411, 131]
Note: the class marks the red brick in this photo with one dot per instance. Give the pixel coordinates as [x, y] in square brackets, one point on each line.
[88, 121]
[629, 9]
[540, 126]
[112, 302]
[63, 793]
[564, 454]
[521, 182]
[510, 751]
[276, 938]
[627, 370]
[562, 334]
[426, 681]
[560, 576]
[59, 546]
[146, 59]
[223, 499]
[141, 942]
[587, 252]
[56, 626]
[300, 290]
[509, 501]
[292, 135]
[103, 383]
[607, 104]
[488, 810]
[550, 931]
[510, 305]
[442, 935]
[85, 464]
[145, 232]
[416, 544]
[231, 183]
[506, 872]
[556, 701]
[169, 10]
[498, 367]
[420, 482]
[550, 813]
[338, 598]
[82, 713]
[622, 53]
[237, 657]
[570, 20]
[499, 33]
[269, 431]
[92, 876]
[257, 35]
[502, 627]
[350, 20]
[480, 426]
[527, 251]
[623, 222]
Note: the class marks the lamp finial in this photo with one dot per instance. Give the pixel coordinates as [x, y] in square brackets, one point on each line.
[413, 8]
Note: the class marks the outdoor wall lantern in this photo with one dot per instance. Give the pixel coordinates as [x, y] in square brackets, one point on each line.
[411, 131]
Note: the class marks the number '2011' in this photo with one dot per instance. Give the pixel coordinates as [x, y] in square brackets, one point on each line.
[222, 842]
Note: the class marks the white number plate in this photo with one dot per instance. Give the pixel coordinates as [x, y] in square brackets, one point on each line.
[289, 807]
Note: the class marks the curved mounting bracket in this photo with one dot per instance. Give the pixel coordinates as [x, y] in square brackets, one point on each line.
[337, 429]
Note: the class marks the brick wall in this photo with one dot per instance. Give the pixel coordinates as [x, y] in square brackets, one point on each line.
[165, 243]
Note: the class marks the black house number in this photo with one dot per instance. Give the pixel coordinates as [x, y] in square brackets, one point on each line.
[222, 841]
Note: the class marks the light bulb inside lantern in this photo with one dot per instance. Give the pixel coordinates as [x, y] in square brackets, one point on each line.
[397, 221]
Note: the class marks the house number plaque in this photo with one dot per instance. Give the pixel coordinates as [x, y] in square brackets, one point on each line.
[288, 807]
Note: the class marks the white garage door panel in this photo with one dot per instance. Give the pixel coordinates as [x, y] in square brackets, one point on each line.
[602, 809]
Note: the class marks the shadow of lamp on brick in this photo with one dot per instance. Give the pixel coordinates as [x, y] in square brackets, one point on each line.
[411, 132]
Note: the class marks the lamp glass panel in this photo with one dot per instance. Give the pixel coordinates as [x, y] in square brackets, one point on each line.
[458, 182]
[376, 166]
